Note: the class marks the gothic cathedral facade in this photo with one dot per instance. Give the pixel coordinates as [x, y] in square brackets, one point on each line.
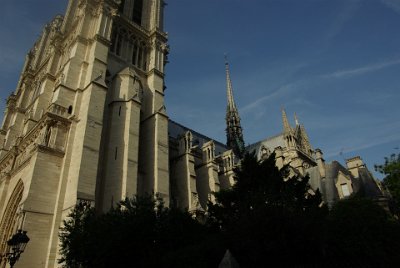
[87, 123]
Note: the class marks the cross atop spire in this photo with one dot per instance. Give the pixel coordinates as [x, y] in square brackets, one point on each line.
[234, 135]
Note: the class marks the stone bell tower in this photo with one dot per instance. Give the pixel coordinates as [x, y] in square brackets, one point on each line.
[135, 139]
[86, 123]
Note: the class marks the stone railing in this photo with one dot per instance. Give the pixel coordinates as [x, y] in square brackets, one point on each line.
[58, 110]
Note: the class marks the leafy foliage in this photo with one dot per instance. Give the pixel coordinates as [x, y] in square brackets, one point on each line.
[391, 170]
[139, 232]
[267, 218]
[74, 239]
[359, 233]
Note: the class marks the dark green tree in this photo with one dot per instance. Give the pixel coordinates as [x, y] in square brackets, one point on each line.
[391, 170]
[139, 232]
[360, 233]
[268, 218]
[74, 238]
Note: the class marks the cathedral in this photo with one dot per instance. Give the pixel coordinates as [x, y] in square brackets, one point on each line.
[87, 123]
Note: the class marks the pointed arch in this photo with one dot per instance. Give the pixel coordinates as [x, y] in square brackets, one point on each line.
[9, 219]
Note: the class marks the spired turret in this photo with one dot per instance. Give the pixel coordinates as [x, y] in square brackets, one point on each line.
[234, 134]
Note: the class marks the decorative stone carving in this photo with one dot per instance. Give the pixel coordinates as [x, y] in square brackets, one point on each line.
[195, 201]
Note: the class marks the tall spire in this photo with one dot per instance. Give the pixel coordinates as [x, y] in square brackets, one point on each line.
[296, 119]
[229, 91]
[234, 134]
[286, 125]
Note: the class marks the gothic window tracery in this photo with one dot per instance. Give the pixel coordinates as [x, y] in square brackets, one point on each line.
[127, 45]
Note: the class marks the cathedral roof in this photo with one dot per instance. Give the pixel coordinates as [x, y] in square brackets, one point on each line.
[175, 130]
[270, 143]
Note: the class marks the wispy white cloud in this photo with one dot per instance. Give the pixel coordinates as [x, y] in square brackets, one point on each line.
[384, 132]
[362, 70]
[280, 92]
[342, 18]
[392, 4]
[362, 146]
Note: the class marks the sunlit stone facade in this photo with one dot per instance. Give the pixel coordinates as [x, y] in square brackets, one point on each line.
[87, 122]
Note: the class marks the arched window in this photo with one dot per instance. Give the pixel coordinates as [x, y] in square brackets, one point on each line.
[9, 220]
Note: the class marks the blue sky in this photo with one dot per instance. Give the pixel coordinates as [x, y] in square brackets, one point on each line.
[335, 63]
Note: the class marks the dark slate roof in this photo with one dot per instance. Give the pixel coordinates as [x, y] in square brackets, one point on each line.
[369, 184]
[270, 143]
[315, 179]
[175, 130]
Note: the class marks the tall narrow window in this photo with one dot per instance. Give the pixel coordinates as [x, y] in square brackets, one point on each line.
[144, 65]
[140, 57]
[113, 41]
[116, 153]
[121, 7]
[118, 45]
[137, 12]
[134, 53]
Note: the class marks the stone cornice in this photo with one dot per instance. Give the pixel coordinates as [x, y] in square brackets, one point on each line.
[154, 71]
[102, 40]
[54, 152]
[130, 26]
[163, 36]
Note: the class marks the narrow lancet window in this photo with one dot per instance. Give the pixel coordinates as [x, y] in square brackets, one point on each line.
[121, 7]
[137, 12]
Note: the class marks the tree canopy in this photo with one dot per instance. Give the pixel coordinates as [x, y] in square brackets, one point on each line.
[267, 219]
[139, 232]
[391, 170]
[360, 233]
